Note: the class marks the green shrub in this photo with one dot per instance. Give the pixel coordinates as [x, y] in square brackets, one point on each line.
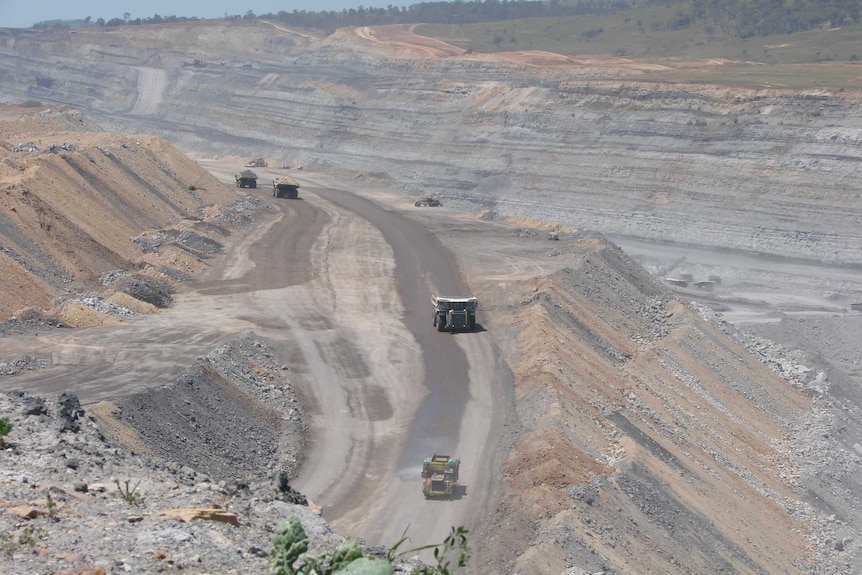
[5, 429]
[25, 538]
[288, 555]
[129, 494]
[288, 544]
[457, 538]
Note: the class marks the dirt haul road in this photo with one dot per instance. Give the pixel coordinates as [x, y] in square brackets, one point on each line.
[347, 283]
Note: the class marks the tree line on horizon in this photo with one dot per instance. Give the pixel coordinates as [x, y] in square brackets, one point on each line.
[742, 18]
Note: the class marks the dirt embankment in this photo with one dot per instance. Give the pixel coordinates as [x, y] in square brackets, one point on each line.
[647, 424]
[78, 203]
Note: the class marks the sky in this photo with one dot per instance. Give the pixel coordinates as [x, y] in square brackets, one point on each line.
[25, 13]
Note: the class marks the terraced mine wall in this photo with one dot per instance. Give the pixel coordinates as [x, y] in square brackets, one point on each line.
[589, 145]
[644, 417]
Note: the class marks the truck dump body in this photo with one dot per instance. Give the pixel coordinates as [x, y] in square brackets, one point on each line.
[454, 313]
[246, 179]
[440, 476]
[285, 187]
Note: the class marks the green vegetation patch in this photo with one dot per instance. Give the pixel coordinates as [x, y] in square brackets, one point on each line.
[834, 77]
[827, 56]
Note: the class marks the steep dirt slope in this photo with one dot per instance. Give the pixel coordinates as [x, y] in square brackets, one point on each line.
[652, 441]
[75, 201]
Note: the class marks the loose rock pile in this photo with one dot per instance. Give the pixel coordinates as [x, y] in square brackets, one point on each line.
[233, 415]
[74, 502]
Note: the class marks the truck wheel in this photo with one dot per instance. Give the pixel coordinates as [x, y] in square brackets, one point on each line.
[441, 324]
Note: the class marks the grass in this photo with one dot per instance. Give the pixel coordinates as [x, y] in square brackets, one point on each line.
[835, 76]
[129, 494]
[828, 58]
[25, 538]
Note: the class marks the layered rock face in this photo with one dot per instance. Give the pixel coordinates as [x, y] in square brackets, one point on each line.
[79, 204]
[583, 142]
[639, 417]
[648, 425]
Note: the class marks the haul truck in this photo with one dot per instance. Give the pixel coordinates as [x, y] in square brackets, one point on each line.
[285, 186]
[246, 179]
[440, 476]
[454, 313]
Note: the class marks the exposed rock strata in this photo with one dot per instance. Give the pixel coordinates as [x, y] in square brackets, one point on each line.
[649, 423]
[83, 203]
[585, 143]
[633, 405]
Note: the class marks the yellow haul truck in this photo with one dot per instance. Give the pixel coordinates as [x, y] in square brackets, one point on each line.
[440, 476]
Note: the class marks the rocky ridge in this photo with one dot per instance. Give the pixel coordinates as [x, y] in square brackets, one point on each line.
[651, 419]
[160, 216]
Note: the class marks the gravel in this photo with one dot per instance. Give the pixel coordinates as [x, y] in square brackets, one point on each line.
[75, 503]
[150, 290]
[22, 362]
[233, 414]
[30, 321]
[96, 302]
[174, 479]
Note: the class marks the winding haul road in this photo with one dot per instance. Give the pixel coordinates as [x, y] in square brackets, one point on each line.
[341, 283]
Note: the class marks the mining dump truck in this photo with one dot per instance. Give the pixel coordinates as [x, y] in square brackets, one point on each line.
[256, 163]
[285, 187]
[454, 313]
[428, 202]
[440, 476]
[246, 179]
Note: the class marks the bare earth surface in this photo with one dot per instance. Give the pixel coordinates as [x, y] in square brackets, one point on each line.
[317, 280]
[608, 417]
